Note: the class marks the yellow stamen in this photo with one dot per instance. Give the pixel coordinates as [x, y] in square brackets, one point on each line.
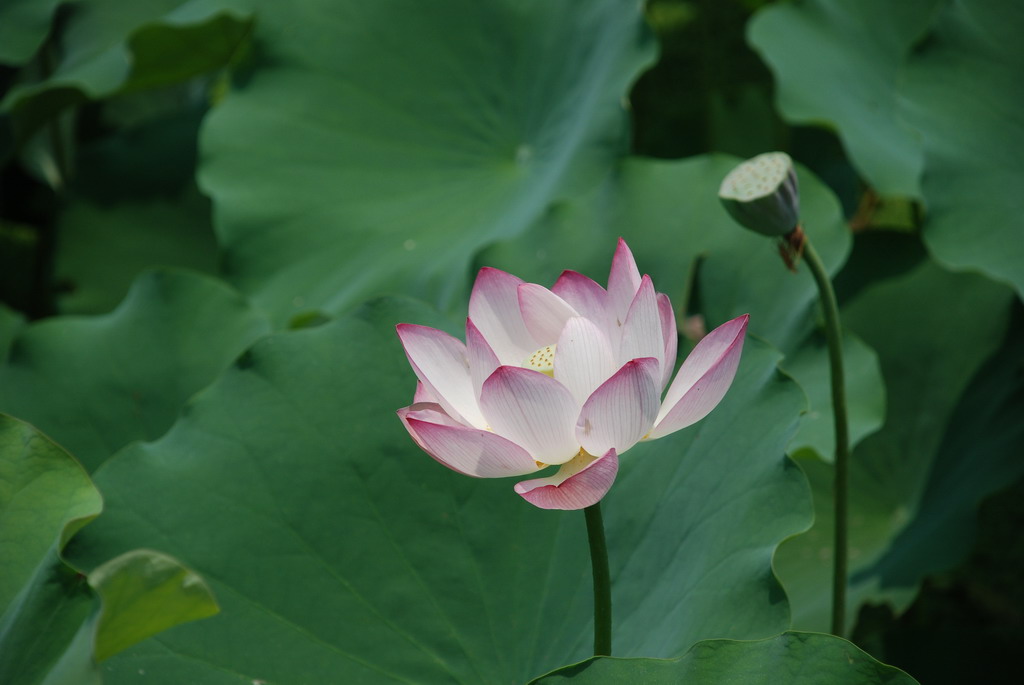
[542, 360]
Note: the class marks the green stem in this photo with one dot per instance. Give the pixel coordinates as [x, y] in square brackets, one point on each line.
[833, 335]
[602, 581]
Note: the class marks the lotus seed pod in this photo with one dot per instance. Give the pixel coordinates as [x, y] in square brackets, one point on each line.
[762, 194]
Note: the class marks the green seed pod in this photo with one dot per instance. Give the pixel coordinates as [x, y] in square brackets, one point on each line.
[762, 194]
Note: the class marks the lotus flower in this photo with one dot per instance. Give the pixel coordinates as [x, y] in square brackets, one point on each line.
[570, 377]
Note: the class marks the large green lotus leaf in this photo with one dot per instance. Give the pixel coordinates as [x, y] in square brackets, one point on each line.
[670, 215]
[979, 454]
[45, 497]
[143, 593]
[53, 626]
[95, 384]
[110, 47]
[63, 623]
[838, 63]
[970, 70]
[791, 658]
[23, 28]
[45, 637]
[895, 482]
[377, 146]
[341, 553]
[103, 248]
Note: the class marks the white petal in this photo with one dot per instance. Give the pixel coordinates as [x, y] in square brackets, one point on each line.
[703, 379]
[441, 363]
[532, 410]
[671, 335]
[482, 360]
[494, 308]
[641, 333]
[544, 313]
[622, 410]
[583, 358]
[587, 298]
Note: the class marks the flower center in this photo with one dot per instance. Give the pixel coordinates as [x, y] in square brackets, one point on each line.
[542, 360]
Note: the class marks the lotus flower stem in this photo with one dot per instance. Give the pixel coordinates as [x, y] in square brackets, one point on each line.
[602, 581]
[833, 335]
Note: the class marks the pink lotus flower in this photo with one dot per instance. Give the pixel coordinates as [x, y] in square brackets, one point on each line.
[571, 376]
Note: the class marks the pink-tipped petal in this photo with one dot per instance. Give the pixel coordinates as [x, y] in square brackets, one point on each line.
[623, 281]
[584, 359]
[482, 360]
[544, 313]
[469, 451]
[425, 411]
[622, 410]
[671, 335]
[422, 394]
[494, 308]
[703, 379]
[532, 410]
[641, 332]
[442, 365]
[586, 297]
[580, 483]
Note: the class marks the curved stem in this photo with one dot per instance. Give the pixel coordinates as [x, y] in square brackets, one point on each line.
[602, 581]
[833, 335]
